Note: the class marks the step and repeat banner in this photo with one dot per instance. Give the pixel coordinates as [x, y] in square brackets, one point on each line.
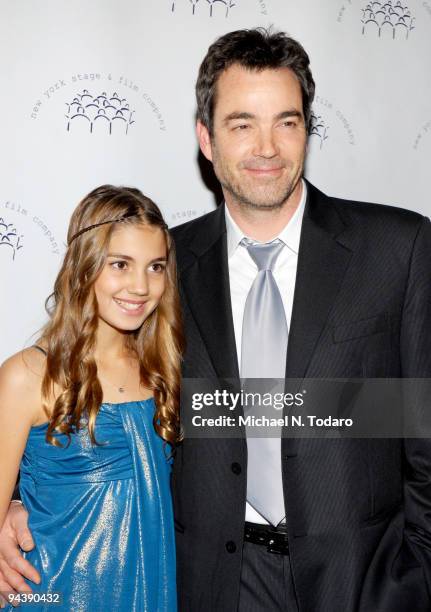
[103, 91]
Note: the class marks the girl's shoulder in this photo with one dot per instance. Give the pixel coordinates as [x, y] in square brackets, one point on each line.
[21, 378]
[25, 367]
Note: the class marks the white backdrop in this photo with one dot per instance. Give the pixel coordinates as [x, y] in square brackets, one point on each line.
[103, 91]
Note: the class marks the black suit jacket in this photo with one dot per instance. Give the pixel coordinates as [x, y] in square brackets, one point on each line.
[358, 511]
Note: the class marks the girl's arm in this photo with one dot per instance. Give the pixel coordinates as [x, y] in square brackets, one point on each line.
[20, 408]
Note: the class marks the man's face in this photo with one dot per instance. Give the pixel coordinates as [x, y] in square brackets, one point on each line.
[259, 136]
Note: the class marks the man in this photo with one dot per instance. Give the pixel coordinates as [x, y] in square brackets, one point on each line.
[347, 286]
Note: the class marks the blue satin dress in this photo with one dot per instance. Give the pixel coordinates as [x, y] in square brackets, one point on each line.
[101, 516]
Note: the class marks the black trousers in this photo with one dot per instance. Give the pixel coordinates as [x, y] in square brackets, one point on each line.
[266, 581]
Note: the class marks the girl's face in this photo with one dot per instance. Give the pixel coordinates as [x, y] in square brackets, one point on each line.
[133, 278]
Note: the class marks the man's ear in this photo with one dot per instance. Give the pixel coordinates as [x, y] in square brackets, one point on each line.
[204, 140]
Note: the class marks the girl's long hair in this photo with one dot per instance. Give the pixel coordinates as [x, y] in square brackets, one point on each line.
[70, 335]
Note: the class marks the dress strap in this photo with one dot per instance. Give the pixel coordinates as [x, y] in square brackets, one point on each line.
[39, 348]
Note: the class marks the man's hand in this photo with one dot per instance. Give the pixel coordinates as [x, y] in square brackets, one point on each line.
[13, 567]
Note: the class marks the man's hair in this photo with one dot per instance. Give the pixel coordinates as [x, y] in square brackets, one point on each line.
[256, 49]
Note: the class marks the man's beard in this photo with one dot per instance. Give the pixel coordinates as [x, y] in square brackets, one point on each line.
[270, 196]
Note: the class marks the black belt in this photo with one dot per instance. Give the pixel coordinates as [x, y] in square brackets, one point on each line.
[274, 538]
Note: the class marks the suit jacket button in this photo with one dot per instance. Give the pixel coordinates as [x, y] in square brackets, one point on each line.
[230, 546]
[236, 468]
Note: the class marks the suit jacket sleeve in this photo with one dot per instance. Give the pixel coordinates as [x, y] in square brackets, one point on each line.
[415, 351]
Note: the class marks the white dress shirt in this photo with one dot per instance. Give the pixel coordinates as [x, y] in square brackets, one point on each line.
[243, 271]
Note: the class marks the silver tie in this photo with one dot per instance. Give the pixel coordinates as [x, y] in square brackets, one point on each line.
[263, 355]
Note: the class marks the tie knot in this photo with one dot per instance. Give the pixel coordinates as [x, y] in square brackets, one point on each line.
[264, 255]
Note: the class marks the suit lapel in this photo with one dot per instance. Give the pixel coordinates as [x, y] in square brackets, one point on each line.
[206, 285]
[323, 259]
[324, 256]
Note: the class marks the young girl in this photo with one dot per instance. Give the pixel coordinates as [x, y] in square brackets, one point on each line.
[89, 415]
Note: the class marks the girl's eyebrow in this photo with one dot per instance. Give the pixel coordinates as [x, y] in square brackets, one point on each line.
[120, 255]
[128, 258]
[163, 258]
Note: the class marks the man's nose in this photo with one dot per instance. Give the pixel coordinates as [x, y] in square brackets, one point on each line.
[265, 144]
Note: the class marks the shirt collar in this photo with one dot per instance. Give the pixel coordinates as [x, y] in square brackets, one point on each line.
[290, 234]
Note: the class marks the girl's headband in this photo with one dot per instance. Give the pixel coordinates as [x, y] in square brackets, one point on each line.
[90, 227]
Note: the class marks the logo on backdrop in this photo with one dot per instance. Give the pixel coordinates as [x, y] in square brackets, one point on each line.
[108, 113]
[102, 103]
[318, 128]
[380, 17]
[9, 238]
[181, 216]
[384, 19]
[227, 5]
[212, 7]
[423, 134]
[329, 123]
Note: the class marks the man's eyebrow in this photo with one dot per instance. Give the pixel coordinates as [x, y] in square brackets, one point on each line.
[289, 113]
[243, 115]
[238, 115]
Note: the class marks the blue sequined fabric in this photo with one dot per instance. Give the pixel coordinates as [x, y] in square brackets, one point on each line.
[101, 516]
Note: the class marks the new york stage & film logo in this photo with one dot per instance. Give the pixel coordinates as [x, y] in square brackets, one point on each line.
[211, 8]
[103, 103]
[384, 19]
[101, 110]
[10, 238]
[318, 128]
[387, 16]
